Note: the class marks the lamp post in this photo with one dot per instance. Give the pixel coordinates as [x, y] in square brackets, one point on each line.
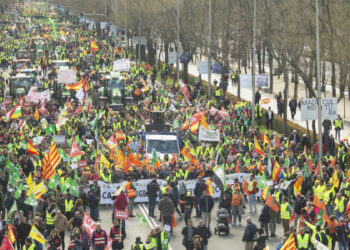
[319, 104]
[209, 52]
[253, 67]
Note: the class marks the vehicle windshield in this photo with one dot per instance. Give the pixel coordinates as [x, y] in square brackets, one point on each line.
[20, 82]
[22, 65]
[163, 147]
[115, 84]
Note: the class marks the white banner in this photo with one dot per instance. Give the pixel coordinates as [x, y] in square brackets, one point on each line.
[121, 65]
[203, 68]
[66, 76]
[37, 97]
[108, 189]
[246, 81]
[172, 57]
[208, 135]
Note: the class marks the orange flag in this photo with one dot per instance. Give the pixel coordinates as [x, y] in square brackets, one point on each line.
[36, 114]
[317, 202]
[237, 166]
[245, 187]
[270, 201]
[334, 160]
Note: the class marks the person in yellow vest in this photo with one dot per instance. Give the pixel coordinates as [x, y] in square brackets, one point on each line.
[286, 214]
[131, 191]
[339, 206]
[328, 198]
[338, 125]
[68, 206]
[303, 240]
[320, 190]
[50, 214]
[29, 245]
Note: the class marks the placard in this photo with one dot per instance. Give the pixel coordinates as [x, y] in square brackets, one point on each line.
[121, 65]
[208, 135]
[121, 214]
[262, 81]
[66, 76]
[59, 139]
[172, 57]
[308, 109]
[245, 81]
[135, 40]
[203, 68]
[82, 163]
[329, 108]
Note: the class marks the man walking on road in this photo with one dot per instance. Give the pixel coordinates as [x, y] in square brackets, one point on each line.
[206, 204]
[188, 232]
[293, 107]
[198, 191]
[131, 191]
[152, 193]
[249, 232]
[166, 208]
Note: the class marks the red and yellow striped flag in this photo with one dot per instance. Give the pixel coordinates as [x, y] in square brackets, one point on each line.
[289, 244]
[204, 123]
[54, 157]
[93, 46]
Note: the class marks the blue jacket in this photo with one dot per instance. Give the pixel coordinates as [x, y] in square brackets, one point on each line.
[249, 232]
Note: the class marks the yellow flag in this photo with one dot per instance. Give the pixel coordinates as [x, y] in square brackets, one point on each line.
[29, 179]
[39, 190]
[36, 114]
[104, 161]
[36, 235]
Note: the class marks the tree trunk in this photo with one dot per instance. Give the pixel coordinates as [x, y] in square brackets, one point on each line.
[334, 90]
[342, 80]
[258, 55]
[239, 82]
[151, 52]
[286, 85]
[296, 84]
[166, 51]
[271, 70]
[185, 73]
[263, 58]
[313, 131]
[323, 76]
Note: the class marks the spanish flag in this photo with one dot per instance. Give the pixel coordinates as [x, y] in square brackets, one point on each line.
[11, 234]
[93, 46]
[265, 139]
[257, 147]
[276, 171]
[186, 125]
[31, 149]
[75, 86]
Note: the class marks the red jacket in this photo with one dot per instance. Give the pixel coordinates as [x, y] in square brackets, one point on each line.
[120, 202]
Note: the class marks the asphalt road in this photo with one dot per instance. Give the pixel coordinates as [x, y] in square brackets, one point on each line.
[134, 229]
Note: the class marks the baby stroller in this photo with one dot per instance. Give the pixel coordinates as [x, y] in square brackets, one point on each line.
[222, 216]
